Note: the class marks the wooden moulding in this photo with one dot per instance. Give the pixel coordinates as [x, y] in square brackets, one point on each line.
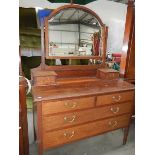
[43, 78]
[107, 74]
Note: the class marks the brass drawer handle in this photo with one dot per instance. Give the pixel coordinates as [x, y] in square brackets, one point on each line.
[70, 104]
[116, 99]
[115, 110]
[113, 123]
[69, 134]
[70, 120]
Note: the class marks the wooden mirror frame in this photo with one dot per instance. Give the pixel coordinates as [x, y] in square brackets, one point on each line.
[104, 32]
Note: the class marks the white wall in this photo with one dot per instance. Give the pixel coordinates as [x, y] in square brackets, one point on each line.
[112, 14]
[64, 36]
[70, 35]
[39, 3]
[87, 35]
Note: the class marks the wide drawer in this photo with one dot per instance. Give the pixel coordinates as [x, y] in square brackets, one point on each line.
[51, 139]
[74, 118]
[115, 98]
[67, 105]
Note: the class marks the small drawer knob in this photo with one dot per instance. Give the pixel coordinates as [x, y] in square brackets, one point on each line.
[114, 110]
[116, 98]
[69, 119]
[69, 134]
[70, 104]
[113, 123]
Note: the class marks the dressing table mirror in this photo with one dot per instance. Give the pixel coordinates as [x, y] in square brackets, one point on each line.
[73, 102]
[74, 33]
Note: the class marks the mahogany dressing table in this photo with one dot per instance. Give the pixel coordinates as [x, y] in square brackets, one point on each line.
[73, 102]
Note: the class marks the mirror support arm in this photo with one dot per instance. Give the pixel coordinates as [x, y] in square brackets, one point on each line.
[104, 38]
[72, 1]
[42, 46]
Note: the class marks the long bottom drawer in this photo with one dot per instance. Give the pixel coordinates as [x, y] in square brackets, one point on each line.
[51, 139]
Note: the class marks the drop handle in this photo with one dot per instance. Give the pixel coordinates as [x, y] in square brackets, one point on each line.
[113, 123]
[70, 104]
[115, 110]
[70, 120]
[116, 99]
[69, 134]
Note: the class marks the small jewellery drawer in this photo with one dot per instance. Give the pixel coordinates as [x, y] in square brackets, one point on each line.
[50, 107]
[74, 118]
[115, 98]
[41, 77]
[44, 80]
[51, 139]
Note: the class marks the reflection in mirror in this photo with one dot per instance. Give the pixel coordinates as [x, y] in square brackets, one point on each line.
[74, 32]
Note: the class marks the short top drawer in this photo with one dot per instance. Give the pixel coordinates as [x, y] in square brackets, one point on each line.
[50, 107]
[115, 98]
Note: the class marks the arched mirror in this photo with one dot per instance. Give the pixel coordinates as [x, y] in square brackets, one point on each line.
[74, 32]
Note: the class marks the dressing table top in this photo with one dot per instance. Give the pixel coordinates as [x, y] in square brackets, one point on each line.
[99, 87]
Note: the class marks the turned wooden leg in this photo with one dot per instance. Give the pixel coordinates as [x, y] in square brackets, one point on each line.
[126, 131]
[39, 129]
[34, 132]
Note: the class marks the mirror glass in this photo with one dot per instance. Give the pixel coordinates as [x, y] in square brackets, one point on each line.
[74, 32]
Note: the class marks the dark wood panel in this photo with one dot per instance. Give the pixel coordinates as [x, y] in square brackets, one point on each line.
[127, 66]
[23, 124]
[130, 68]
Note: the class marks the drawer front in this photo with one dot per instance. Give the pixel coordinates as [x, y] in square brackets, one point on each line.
[44, 80]
[109, 76]
[51, 139]
[67, 105]
[112, 76]
[74, 118]
[115, 98]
